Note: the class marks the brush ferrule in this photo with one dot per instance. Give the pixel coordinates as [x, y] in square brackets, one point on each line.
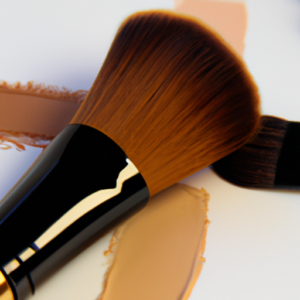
[288, 164]
[81, 186]
[5, 289]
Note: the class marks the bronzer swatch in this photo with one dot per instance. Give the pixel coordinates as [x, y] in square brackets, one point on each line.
[228, 18]
[159, 251]
[36, 109]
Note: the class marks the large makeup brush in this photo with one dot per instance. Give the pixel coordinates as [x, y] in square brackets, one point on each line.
[271, 159]
[170, 99]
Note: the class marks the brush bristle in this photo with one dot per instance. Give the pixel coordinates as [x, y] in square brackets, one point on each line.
[254, 165]
[173, 96]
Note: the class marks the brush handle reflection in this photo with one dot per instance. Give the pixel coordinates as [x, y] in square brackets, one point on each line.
[80, 187]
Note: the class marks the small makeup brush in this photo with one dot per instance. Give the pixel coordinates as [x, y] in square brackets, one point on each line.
[170, 99]
[271, 159]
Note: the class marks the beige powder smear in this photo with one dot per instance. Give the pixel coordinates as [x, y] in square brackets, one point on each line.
[228, 18]
[159, 251]
[37, 109]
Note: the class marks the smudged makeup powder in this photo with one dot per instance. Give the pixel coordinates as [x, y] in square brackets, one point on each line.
[37, 109]
[159, 251]
[228, 18]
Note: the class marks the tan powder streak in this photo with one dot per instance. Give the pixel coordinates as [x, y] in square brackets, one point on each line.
[36, 109]
[159, 251]
[228, 18]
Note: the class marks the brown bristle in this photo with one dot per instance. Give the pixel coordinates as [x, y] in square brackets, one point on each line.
[173, 96]
[254, 165]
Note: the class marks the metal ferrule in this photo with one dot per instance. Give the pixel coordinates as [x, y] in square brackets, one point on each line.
[5, 289]
[80, 187]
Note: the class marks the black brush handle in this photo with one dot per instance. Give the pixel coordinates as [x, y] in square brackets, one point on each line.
[288, 165]
[81, 186]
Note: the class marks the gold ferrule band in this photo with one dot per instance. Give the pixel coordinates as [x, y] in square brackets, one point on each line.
[5, 290]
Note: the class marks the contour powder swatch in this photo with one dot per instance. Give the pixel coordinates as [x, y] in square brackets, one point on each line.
[228, 18]
[36, 108]
[159, 251]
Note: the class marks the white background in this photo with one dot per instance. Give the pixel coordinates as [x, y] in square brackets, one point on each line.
[253, 241]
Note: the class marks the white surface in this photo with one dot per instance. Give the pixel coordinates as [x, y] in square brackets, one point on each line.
[81, 279]
[61, 42]
[253, 241]
[272, 54]
[14, 164]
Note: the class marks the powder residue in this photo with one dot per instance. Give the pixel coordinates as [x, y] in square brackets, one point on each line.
[227, 18]
[36, 109]
[17, 140]
[157, 254]
[45, 91]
